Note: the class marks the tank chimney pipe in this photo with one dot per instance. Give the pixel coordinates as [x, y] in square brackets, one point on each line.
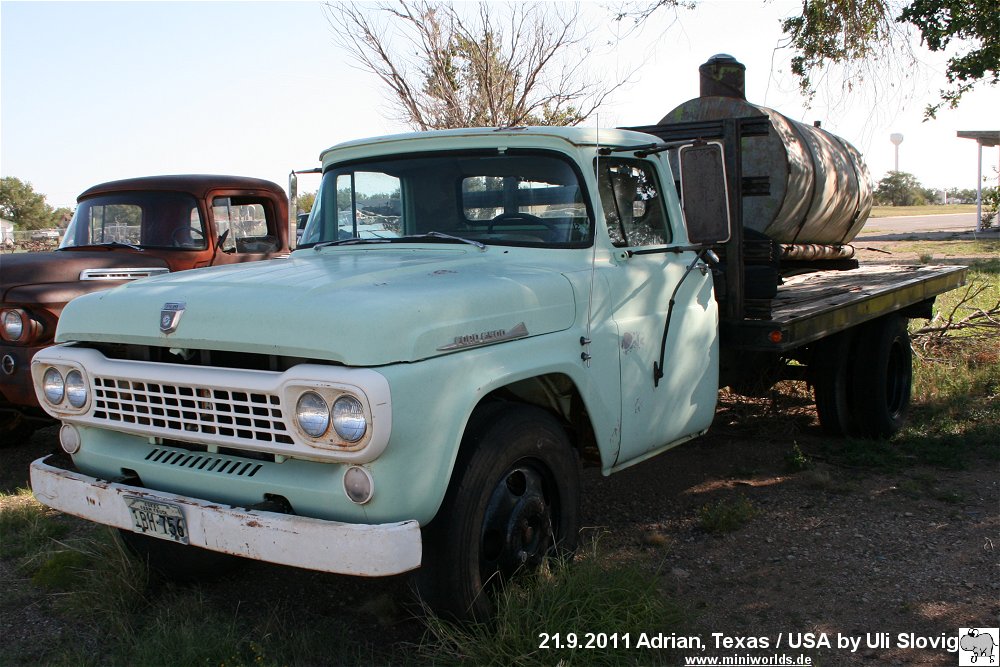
[723, 76]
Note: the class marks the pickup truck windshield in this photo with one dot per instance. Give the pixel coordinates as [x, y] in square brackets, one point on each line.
[142, 219]
[513, 198]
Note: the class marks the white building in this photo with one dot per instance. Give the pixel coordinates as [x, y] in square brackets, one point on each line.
[6, 233]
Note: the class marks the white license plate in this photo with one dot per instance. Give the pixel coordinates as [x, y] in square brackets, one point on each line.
[156, 519]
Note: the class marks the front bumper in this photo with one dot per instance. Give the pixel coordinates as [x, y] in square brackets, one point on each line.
[370, 550]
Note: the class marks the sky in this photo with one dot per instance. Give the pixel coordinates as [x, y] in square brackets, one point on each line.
[91, 92]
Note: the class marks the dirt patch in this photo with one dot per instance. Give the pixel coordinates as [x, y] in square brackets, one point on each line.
[827, 549]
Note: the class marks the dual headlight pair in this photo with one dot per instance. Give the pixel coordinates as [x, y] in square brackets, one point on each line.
[346, 415]
[72, 388]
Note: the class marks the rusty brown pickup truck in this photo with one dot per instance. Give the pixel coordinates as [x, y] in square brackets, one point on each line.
[122, 231]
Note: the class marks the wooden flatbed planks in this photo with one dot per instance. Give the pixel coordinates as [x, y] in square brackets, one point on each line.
[813, 305]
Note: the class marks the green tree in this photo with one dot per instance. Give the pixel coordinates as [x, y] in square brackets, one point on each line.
[61, 216]
[899, 188]
[974, 21]
[500, 65]
[305, 201]
[858, 32]
[961, 195]
[871, 36]
[20, 204]
[991, 206]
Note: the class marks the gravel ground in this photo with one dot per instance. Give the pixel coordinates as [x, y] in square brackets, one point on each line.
[828, 550]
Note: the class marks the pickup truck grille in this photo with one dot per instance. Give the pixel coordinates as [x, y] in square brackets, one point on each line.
[187, 409]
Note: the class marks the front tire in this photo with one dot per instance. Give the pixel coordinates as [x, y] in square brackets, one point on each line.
[513, 501]
[177, 562]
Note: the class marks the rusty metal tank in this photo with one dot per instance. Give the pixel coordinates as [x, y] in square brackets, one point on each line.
[820, 188]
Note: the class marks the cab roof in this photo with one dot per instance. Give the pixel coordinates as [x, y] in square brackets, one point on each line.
[196, 184]
[479, 136]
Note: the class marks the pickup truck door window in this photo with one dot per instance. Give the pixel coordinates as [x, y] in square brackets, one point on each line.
[246, 221]
[635, 213]
[633, 207]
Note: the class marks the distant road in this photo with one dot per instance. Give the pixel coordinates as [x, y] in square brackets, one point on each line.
[901, 224]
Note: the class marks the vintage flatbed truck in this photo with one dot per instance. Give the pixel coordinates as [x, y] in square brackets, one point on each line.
[423, 399]
[122, 231]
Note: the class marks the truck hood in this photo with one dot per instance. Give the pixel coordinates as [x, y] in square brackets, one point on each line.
[23, 274]
[356, 306]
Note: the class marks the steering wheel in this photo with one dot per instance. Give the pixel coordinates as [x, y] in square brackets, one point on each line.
[518, 217]
[196, 236]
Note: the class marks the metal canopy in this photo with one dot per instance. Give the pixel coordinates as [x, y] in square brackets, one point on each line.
[984, 137]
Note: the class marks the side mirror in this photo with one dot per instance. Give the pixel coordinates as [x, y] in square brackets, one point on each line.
[704, 194]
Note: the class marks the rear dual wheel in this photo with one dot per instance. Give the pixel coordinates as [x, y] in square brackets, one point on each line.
[862, 379]
[513, 501]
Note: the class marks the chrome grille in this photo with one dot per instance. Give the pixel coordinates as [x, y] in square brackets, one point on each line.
[189, 409]
[206, 462]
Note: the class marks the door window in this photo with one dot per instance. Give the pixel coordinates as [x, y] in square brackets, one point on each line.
[633, 203]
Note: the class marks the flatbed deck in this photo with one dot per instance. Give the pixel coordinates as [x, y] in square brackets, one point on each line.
[813, 305]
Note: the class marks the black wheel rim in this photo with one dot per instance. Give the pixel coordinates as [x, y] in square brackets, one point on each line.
[518, 525]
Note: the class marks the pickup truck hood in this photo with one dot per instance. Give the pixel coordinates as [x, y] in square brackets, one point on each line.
[357, 306]
[34, 277]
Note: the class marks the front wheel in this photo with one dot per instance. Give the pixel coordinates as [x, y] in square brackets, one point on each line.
[512, 502]
[177, 562]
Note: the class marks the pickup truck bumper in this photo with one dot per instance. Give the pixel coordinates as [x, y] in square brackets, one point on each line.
[315, 544]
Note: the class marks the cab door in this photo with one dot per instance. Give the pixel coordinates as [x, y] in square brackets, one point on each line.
[245, 228]
[643, 222]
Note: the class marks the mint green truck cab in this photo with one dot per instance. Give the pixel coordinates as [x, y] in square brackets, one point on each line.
[366, 405]
[422, 395]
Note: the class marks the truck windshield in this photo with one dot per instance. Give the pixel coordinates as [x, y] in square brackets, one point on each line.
[513, 198]
[143, 219]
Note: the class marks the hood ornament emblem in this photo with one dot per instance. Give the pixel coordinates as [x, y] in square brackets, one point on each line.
[170, 316]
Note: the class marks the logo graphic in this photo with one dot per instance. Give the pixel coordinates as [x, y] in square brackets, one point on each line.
[978, 646]
[170, 316]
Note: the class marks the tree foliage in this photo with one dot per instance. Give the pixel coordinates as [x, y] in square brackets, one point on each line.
[872, 37]
[26, 208]
[305, 201]
[859, 33]
[898, 188]
[448, 66]
[977, 21]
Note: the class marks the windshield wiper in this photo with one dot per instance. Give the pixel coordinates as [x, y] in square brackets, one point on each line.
[350, 241]
[449, 237]
[401, 239]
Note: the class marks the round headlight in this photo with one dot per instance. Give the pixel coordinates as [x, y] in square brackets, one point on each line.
[313, 414]
[76, 390]
[53, 386]
[349, 418]
[13, 326]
